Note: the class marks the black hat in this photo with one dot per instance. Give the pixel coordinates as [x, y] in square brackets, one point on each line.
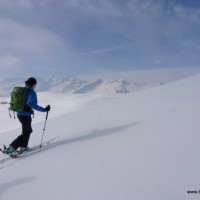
[31, 81]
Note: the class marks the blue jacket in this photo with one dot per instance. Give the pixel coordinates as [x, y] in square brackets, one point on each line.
[31, 101]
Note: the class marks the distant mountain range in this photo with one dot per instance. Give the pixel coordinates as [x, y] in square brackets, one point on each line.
[73, 85]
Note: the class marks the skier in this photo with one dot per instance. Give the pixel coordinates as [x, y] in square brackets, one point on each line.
[20, 144]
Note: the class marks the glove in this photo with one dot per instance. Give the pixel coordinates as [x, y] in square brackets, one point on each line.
[48, 108]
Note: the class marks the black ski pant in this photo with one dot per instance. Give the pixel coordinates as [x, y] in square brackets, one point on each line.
[22, 140]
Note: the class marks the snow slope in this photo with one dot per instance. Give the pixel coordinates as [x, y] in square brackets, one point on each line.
[143, 145]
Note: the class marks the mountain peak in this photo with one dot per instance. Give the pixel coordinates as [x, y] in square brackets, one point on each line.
[73, 85]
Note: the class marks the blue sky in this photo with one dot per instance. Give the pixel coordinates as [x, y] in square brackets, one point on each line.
[77, 37]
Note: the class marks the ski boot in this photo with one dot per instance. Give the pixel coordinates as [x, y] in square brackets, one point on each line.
[21, 150]
[10, 151]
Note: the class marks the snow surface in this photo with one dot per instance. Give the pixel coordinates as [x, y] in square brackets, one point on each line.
[142, 145]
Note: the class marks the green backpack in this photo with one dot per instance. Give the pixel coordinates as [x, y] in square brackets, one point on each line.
[17, 101]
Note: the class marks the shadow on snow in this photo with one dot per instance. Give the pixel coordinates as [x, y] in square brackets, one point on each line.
[92, 135]
[6, 186]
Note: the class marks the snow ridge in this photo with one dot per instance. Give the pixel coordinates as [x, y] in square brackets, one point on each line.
[73, 85]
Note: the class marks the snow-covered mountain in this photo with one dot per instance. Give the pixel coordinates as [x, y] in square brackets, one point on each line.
[142, 146]
[74, 85]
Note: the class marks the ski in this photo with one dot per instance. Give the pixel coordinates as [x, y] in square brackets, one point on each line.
[17, 153]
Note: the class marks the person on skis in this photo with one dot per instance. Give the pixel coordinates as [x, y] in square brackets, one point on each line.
[20, 144]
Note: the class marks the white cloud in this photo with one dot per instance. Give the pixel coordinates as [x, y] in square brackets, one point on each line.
[158, 61]
[99, 51]
[191, 14]
[147, 76]
[9, 63]
[22, 39]
[25, 4]
[95, 8]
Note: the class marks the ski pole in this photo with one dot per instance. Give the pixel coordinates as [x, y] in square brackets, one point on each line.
[44, 129]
